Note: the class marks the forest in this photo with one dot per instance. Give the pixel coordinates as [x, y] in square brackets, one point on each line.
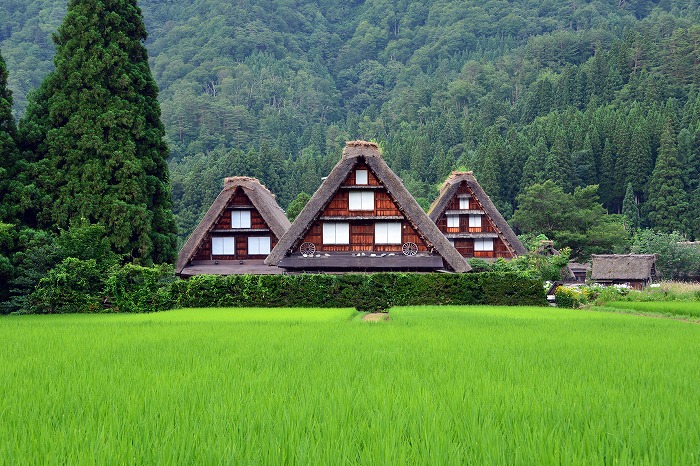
[599, 98]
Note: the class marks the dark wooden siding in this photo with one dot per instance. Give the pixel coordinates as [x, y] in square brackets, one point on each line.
[371, 177]
[361, 238]
[238, 199]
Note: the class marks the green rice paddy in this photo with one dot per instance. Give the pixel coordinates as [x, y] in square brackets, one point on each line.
[680, 308]
[433, 385]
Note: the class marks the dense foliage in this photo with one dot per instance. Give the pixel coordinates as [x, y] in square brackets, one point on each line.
[521, 92]
[93, 137]
[366, 292]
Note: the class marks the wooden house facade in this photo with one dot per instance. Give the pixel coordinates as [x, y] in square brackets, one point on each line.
[467, 217]
[237, 233]
[362, 218]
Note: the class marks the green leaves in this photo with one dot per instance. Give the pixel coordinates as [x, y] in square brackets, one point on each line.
[575, 220]
[101, 154]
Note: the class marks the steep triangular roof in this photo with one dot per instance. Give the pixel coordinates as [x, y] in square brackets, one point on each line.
[263, 200]
[449, 189]
[355, 152]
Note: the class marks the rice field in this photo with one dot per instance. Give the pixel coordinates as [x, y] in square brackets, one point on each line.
[679, 308]
[433, 385]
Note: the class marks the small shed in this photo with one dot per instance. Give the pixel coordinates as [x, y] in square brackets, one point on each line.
[635, 270]
[577, 272]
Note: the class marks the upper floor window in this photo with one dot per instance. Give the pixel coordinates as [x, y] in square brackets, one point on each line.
[387, 233]
[475, 221]
[453, 221]
[240, 219]
[483, 244]
[361, 200]
[223, 246]
[464, 203]
[259, 245]
[336, 233]
[361, 177]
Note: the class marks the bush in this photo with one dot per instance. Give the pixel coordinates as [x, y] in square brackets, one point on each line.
[74, 285]
[133, 288]
[569, 297]
[366, 292]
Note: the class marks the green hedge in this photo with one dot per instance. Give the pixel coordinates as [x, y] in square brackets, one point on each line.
[366, 292]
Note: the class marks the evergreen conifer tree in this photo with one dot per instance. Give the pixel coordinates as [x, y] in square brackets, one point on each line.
[559, 165]
[95, 131]
[630, 210]
[667, 204]
[8, 148]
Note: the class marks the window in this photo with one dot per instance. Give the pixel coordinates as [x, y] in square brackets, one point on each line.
[483, 244]
[361, 200]
[475, 221]
[387, 233]
[240, 219]
[336, 233]
[453, 221]
[361, 177]
[258, 245]
[464, 203]
[223, 246]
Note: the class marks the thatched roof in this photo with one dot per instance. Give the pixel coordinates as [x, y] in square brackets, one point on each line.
[447, 192]
[354, 152]
[623, 266]
[261, 197]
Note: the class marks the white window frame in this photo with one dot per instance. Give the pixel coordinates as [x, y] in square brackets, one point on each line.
[361, 200]
[223, 246]
[464, 203]
[258, 245]
[483, 244]
[336, 233]
[453, 221]
[475, 221]
[388, 233]
[240, 219]
[361, 176]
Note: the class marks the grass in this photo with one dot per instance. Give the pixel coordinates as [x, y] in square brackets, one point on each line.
[438, 385]
[675, 308]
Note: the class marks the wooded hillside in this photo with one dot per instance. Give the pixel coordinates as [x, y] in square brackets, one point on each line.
[579, 92]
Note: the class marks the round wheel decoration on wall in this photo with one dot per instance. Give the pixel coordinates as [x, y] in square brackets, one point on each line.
[409, 249]
[307, 248]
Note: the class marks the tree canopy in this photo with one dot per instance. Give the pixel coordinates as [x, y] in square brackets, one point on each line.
[94, 136]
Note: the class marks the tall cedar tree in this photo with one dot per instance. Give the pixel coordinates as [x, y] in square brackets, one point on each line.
[96, 137]
[8, 147]
[667, 205]
[630, 210]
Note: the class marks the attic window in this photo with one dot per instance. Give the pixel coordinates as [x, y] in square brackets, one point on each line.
[475, 221]
[240, 219]
[361, 177]
[336, 233]
[464, 203]
[223, 246]
[387, 233]
[483, 244]
[361, 200]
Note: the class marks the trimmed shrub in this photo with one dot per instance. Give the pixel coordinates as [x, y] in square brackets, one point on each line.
[366, 292]
[133, 288]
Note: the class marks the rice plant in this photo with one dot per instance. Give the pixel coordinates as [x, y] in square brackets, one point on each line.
[432, 385]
